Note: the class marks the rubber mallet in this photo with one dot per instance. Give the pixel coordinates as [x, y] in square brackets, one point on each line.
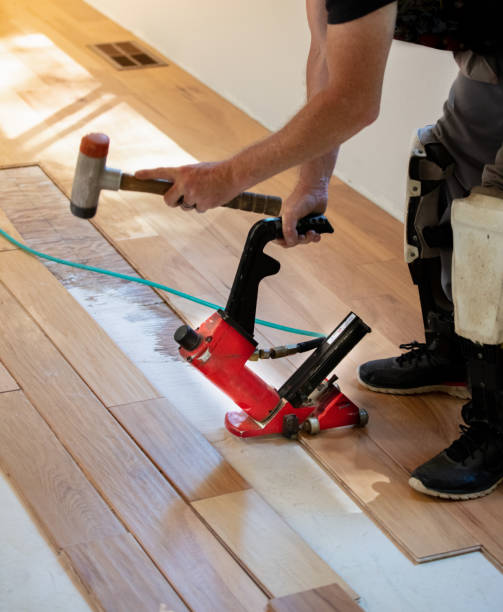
[92, 175]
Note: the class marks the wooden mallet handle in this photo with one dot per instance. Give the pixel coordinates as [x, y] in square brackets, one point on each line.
[252, 202]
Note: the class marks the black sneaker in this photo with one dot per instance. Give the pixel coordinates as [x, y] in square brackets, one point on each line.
[471, 467]
[423, 368]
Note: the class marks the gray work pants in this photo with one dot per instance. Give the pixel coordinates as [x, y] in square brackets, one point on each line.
[471, 129]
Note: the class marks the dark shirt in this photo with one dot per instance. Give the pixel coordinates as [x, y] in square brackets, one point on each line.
[340, 11]
[444, 24]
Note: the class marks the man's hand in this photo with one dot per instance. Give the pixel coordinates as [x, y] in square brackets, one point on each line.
[299, 204]
[197, 186]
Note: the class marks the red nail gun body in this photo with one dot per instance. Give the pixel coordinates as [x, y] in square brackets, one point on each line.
[221, 346]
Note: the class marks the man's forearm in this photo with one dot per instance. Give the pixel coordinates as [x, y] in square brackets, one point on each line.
[315, 174]
[327, 120]
[344, 98]
[356, 55]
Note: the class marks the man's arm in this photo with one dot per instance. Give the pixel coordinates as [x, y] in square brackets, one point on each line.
[311, 191]
[356, 54]
[356, 58]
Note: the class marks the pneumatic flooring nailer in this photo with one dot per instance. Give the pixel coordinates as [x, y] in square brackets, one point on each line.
[221, 346]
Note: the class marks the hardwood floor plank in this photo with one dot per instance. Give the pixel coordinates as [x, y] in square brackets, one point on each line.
[33, 199]
[7, 383]
[40, 211]
[405, 326]
[330, 598]
[420, 525]
[193, 466]
[65, 504]
[482, 518]
[394, 420]
[62, 90]
[279, 558]
[160, 430]
[150, 257]
[113, 378]
[166, 527]
[7, 226]
[434, 419]
[73, 516]
[380, 230]
[120, 577]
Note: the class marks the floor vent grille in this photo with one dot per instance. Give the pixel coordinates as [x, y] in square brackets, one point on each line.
[127, 55]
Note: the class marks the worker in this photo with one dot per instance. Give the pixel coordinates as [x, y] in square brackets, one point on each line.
[461, 155]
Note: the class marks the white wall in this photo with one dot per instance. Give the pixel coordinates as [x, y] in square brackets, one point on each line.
[253, 53]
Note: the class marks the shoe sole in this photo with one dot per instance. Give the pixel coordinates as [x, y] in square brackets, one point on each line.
[455, 390]
[417, 485]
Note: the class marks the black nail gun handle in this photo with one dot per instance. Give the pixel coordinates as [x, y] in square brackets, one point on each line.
[319, 223]
[256, 265]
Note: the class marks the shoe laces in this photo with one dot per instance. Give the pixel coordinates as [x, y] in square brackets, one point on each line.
[473, 438]
[415, 352]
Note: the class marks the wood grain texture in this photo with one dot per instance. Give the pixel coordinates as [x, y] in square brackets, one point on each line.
[119, 576]
[113, 378]
[106, 560]
[482, 518]
[62, 90]
[44, 473]
[6, 226]
[164, 260]
[192, 465]
[279, 558]
[330, 598]
[420, 525]
[7, 383]
[397, 422]
[38, 208]
[165, 526]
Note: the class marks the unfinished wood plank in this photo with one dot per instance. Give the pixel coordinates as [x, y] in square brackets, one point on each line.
[66, 505]
[280, 559]
[165, 526]
[83, 342]
[330, 598]
[7, 383]
[119, 576]
[192, 465]
[420, 525]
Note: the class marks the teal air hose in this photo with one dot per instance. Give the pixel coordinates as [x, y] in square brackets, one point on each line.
[143, 281]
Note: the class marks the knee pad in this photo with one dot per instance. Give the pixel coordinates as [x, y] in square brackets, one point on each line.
[477, 223]
[430, 165]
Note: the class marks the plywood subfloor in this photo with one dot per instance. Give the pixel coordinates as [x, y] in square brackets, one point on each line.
[59, 90]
